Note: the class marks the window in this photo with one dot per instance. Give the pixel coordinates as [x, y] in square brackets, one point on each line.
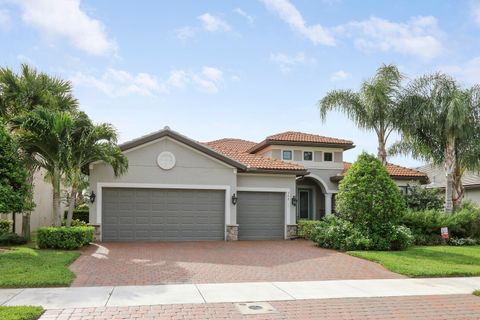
[307, 156]
[287, 155]
[328, 156]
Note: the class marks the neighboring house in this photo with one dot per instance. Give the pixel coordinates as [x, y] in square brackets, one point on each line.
[470, 180]
[179, 189]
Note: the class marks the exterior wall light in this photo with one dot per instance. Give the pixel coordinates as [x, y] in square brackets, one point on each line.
[234, 199]
[294, 201]
[92, 197]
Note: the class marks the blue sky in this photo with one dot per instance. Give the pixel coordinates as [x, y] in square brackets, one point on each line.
[246, 69]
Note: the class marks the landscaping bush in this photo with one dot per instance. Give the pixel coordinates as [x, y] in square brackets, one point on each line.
[79, 214]
[75, 223]
[370, 208]
[11, 238]
[306, 228]
[462, 242]
[64, 238]
[5, 226]
[418, 198]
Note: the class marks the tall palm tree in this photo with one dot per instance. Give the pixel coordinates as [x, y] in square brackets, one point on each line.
[90, 143]
[374, 107]
[21, 93]
[46, 137]
[441, 124]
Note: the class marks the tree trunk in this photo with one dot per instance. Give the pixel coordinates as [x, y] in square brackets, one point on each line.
[26, 225]
[14, 222]
[458, 190]
[449, 168]
[382, 152]
[58, 216]
[71, 204]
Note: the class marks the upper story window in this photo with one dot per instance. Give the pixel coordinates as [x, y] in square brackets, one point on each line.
[328, 156]
[287, 155]
[307, 156]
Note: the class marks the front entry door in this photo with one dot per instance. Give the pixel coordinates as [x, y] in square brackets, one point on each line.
[304, 196]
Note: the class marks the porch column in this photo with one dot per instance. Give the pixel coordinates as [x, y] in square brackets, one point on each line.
[328, 204]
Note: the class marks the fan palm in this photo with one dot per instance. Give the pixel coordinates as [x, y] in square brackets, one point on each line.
[372, 108]
[441, 124]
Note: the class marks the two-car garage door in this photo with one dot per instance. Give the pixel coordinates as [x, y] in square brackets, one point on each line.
[142, 214]
[133, 214]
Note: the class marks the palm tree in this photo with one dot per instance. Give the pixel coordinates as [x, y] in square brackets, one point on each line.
[374, 107]
[45, 136]
[441, 124]
[21, 93]
[90, 143]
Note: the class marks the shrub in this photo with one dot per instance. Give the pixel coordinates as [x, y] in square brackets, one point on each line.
[462, 242]
[401, 238]
[306, 228]
[419, 198]
[75, 223]
[79, 214]
[5, 226]
[368, 197]
[64, 238]
[11, 238]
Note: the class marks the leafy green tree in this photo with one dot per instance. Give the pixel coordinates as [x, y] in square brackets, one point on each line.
[15, 191]
[441, 124]
[90, 143]
[374, 107]
[418, 198]
[45, 136]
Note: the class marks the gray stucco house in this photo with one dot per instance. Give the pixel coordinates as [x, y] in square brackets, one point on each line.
[179, 189]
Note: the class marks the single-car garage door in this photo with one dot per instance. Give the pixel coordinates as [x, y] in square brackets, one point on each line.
[136, 214]
[261, 215]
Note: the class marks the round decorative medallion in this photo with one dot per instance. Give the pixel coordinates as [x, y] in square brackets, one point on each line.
[166, 160]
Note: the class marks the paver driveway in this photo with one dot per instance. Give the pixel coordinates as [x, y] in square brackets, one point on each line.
[107, 264]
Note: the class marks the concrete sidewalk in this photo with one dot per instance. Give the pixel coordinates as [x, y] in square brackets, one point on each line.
[91, 297]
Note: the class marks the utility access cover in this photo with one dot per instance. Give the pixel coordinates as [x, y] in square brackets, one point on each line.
[255, 308]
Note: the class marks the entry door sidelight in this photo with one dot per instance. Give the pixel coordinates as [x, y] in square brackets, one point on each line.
[304, 201]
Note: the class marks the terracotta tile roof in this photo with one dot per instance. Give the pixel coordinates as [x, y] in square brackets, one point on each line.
[293, 136]
[236, 150]
[395, 171]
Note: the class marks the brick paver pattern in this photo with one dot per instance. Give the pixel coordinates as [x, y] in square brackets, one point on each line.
[412, 307]
[107, 264]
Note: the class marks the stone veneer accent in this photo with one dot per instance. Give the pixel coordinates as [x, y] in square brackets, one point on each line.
[232, 232]
[98, 232]
[291, 231]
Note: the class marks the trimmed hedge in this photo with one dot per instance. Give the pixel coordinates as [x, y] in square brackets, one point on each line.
[11, 238]
[79, 214]
[5, 226]
[64, 238]
[306, 228]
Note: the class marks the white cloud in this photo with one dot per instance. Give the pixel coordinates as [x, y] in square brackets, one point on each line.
[213, 23]
[419, 36]
[65, 19]
[475, 11]
[5, 21]
[185, 33]
[287, 63]
[120, 83]
[288, 13]
[468, 72]
[340, 75]
[24, 59]
[245, 15]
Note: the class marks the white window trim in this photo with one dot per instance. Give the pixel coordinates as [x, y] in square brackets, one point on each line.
[291, 150]
[287, 201]
[101, 185]
[333, 156]
[313, 155]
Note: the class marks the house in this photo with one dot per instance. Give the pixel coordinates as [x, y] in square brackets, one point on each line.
[470, 180]
[179, 189]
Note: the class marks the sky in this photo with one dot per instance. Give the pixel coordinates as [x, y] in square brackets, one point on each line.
[241, 69]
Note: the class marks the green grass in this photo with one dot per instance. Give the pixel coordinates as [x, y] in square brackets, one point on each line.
[20, 313]
[428, 261]
[23, 267]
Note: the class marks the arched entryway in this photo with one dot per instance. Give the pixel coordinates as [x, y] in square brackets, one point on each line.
[314, 200]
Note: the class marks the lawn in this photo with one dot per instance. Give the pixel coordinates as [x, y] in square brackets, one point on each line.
[428, 261]
[20, 313]
[26, 267]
